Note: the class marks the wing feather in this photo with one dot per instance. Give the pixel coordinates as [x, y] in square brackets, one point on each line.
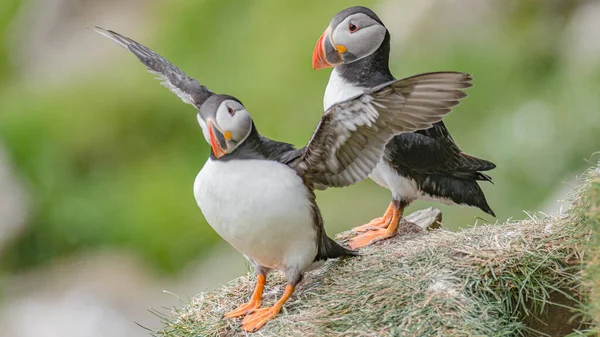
[351, 137]
[171, 77]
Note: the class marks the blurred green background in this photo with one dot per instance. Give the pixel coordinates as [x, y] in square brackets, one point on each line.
[107, 156]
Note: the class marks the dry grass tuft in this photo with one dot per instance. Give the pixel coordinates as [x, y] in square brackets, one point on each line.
[514, 279]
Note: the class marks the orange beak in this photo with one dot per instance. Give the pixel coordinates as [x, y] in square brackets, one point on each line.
[318, 60]
[326, 54]
[214, 140]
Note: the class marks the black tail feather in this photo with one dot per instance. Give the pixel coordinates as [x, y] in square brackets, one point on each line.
[470, 168]
[483, 205]
[459, 190]
[484, 177]
[326, 247]
[471, 176]
[472, 163]
[329, 249]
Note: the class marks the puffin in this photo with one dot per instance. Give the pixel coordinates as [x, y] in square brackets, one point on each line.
[426, 164]
[258, 194]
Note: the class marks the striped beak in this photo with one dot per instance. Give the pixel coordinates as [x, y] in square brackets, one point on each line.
[325, 55]
[217, 139]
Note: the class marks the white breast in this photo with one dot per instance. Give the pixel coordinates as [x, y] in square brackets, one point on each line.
[386, 176]
[338, 89]
[402, 188]
[261, 208]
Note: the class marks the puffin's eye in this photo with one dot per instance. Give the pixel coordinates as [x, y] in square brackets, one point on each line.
[231, 111]
[352, 27]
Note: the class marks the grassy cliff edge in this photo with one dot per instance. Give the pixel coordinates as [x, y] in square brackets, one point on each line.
[539, 276]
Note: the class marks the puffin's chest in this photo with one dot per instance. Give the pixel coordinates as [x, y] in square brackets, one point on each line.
[338, 90]
[260, 207]
[388, 177]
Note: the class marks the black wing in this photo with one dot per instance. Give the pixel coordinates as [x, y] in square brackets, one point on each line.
[433, 151]
[173, 78]
[352, 135]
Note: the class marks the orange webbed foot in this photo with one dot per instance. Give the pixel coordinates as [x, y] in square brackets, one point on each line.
[259, 317]
[378, 234]
[370, 237]
[254, 301]
[382, 222]
[376, 223]
[243, 309]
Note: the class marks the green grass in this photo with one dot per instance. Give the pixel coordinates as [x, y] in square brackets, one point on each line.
[513, 279]
[589, 214]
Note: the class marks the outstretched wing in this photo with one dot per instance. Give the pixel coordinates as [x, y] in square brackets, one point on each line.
[173, 78]
[352, 135]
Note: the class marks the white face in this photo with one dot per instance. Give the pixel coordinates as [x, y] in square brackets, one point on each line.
[357, 37]
[203, 127]
[231, 124]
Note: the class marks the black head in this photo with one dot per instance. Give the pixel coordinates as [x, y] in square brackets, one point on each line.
[343, 14]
